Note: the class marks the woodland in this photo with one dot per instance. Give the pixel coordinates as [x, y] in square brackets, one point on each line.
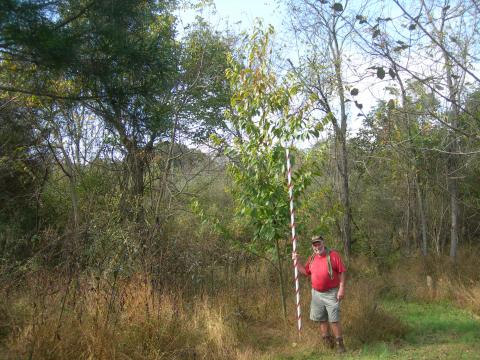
[144, 200]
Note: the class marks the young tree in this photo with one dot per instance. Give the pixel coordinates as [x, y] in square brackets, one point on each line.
[264, 111]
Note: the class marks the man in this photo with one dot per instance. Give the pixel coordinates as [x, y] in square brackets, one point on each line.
[327, 272]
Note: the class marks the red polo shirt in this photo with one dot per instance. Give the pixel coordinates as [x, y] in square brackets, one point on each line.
[317, 268]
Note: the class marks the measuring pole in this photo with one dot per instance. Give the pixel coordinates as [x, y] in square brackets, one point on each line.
[294, 241]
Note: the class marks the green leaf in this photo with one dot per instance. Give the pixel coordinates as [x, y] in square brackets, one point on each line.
[391, 72]
[338, 7]
[391, 104]
[380, 72]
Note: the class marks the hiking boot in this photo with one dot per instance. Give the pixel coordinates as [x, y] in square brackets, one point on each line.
[328, 341]
[340, 346]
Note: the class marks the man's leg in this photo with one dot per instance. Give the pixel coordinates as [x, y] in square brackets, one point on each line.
[326, 337]
[333, 309]
[324, 328]
[337, 332]
[318, 312]
[336, 329]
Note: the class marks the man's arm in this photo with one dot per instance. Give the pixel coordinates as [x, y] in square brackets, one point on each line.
[341, 288]
[300, 266]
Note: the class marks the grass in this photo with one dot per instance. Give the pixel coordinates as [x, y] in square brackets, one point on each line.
[137, 322]
[436, 331]
[384, 317]
[436, 323]
[134, 325]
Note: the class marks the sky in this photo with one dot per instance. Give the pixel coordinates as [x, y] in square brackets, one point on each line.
[240, 14]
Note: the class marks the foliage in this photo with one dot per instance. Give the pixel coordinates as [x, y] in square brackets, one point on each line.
[123, 232]
[203, 92]
[22, 174]
[263, 109]
[320, 207]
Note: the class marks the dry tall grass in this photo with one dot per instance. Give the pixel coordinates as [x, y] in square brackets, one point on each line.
[51, 317]
[130, 321]
[437, 278]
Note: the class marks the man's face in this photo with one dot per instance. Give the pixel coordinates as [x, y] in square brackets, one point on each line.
[318, 247]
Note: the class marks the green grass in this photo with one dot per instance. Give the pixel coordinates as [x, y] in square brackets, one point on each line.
[436, 331]
[436, 323]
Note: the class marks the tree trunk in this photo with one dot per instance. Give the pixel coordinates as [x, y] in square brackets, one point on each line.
[413, 154]
[131, 203]
[341, 141]
[347, 215]
[453, 188]
[72, 184]
[70, 170]
[166, 171]
[423, 220]
[137, 169]
[453, 114]
[280, 278]
[136, 172]
[407, 225]
[452, 160]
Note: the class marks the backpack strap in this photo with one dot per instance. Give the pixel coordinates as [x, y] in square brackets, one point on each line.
[310, 259]
[329, 263]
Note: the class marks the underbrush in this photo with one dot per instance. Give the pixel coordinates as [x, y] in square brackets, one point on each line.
[437, 278]
[51, 317]
[96, 320]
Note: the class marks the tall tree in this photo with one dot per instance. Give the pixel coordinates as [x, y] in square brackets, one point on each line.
[127, 67]
[322, 30]
[452, 48]
[429, 55]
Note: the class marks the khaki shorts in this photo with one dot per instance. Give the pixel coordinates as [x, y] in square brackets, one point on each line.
[325, 306]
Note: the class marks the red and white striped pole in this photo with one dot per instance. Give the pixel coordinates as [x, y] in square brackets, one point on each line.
[294, 240]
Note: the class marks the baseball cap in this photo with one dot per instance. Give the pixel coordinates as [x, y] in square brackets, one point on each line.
[317, 238]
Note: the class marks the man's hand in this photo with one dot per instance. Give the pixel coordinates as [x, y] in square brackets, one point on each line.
[300, 267]
[341, 288]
